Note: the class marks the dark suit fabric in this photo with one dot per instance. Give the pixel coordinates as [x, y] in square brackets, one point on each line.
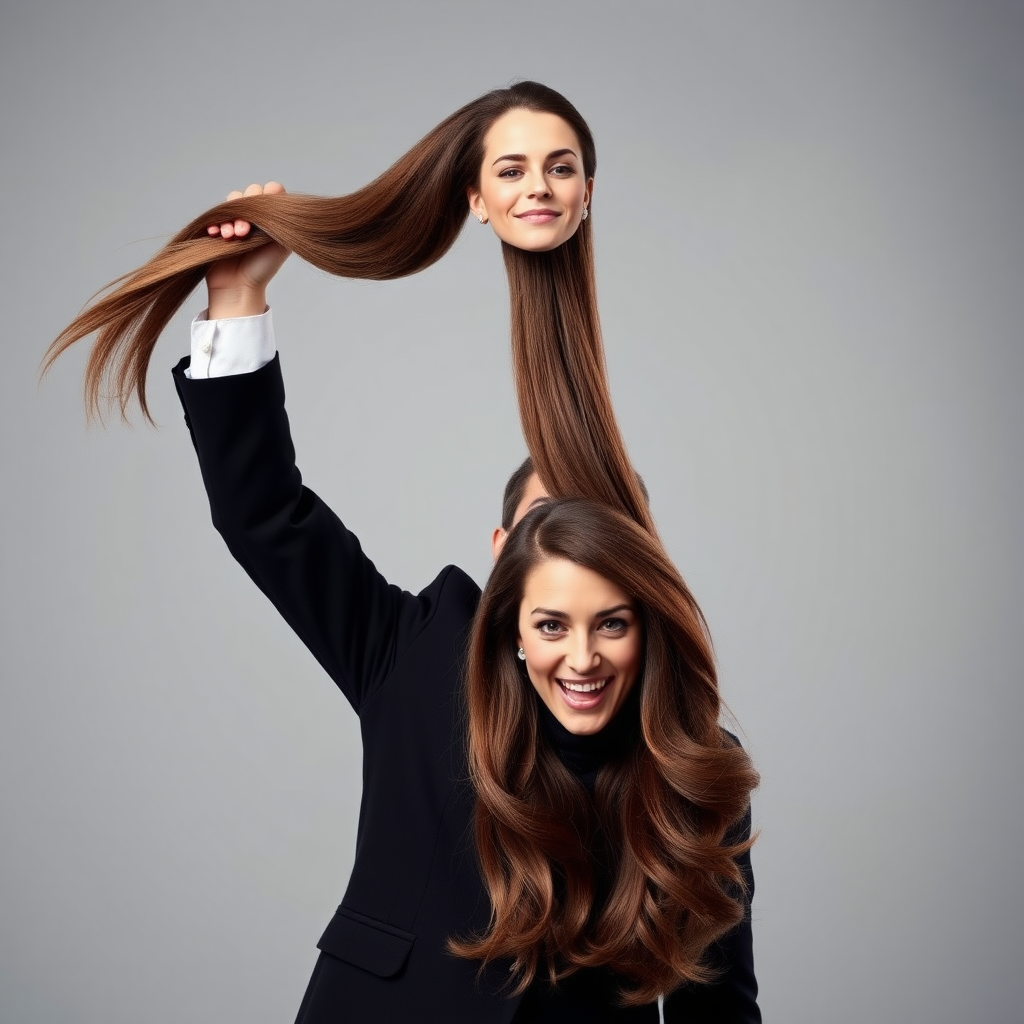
[397, 657]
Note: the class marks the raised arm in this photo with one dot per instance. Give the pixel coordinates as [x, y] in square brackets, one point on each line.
[289, 542]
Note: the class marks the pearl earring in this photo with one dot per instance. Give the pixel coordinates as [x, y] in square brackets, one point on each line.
[521, 654]
[586, 213]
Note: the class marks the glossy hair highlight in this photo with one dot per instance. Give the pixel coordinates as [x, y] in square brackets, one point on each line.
[666, 806]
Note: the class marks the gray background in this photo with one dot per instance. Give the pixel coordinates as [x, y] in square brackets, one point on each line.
[809, 227]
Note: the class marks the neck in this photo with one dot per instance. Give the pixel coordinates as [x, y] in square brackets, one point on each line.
[584, 755]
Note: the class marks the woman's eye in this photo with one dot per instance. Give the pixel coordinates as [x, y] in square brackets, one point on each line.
[509, 172]
[614, 625]
[550, 627]
[562, 170]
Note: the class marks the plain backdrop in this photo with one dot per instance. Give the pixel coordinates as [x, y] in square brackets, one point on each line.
[809, 224]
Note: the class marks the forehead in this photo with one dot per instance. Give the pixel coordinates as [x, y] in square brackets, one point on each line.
[527, 132]
[558, 584]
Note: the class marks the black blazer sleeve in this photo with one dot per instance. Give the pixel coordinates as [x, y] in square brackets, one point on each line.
[293, 546]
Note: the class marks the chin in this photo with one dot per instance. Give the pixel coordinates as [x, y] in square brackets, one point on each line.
[538, 244]
[585, 728]
[583, 725]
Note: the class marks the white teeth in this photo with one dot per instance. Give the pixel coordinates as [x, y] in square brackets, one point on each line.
[584, 687]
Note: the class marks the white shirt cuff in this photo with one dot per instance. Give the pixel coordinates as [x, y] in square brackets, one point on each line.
[221, 348]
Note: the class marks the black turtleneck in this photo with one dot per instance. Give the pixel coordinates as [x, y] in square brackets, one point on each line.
[585, 755]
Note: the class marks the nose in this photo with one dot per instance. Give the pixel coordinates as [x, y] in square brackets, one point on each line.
[537, 185]
[582, 656]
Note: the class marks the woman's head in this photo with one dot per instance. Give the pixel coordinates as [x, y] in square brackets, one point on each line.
[528, 165]
[521, 157]
[581, 641]
[589, 596]
[533, 187]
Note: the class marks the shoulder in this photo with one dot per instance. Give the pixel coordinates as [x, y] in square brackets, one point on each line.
[448, 603]
[453, 585]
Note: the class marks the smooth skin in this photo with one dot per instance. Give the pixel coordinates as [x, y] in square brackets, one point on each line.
[532, 189]
[583, 638]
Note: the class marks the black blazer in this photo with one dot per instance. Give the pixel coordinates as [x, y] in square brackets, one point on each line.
[397, 657]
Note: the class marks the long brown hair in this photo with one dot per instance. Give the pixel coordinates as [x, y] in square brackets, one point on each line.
[665, 807]
[399, 224]
[668, 808]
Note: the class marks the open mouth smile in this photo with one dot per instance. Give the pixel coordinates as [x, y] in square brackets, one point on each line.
[584, 694]
[583, 685]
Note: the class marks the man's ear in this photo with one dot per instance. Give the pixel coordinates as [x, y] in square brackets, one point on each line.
[498, 541]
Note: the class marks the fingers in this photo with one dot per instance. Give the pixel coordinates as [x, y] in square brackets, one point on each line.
[242, 226]
[239, 228]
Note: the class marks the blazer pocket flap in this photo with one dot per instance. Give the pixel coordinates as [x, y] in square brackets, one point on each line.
[366, 942]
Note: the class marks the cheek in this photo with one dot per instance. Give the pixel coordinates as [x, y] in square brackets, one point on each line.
[496, 195]
[572, 190]
[635, 659]
[539, 659]
[531, 653]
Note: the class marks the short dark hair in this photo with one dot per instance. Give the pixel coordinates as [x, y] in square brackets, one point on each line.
[514, 491]
[516, 488]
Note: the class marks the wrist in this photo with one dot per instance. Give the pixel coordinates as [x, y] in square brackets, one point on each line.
[226, 303]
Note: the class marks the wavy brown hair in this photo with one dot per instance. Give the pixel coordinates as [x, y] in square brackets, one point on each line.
[665, 807]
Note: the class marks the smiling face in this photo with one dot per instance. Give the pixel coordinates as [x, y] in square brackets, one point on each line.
[532, 188]
[583, 640]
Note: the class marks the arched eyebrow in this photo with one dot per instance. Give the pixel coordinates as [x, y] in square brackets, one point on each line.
[555, 614]
[521, 157]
